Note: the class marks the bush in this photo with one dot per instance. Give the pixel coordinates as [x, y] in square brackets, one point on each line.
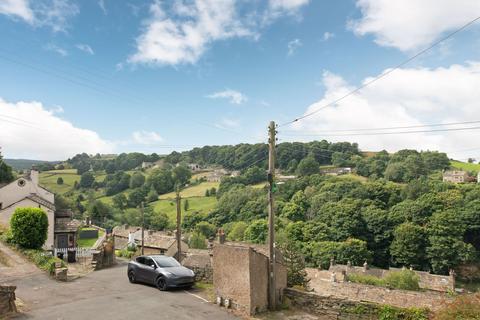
[42, 259]
[405, 280]
[393, 313]
[29, 227]
[463, 308]
[60, 180]
[197, 241]
[125, 253]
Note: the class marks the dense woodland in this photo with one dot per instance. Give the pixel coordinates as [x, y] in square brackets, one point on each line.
[394, 211]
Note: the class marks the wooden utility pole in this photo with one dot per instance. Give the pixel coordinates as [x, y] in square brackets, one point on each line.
[179, 219]
[272, 290]
[143, 227]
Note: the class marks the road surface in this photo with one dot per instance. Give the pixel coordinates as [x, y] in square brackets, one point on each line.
[107, 294]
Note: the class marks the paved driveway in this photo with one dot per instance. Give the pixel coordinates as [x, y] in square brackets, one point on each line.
[107, 294]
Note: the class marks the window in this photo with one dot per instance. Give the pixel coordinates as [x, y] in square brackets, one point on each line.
[1, 205]
[166, 262]
[149, 262]
[141, 260]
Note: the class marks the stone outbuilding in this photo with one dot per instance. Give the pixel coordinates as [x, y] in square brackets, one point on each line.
[240, 276]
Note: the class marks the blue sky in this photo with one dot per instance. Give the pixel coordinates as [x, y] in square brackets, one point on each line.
[153, 76]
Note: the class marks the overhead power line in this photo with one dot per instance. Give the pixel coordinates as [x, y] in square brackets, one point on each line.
[396, 128]
[385, 133]
[375, 79]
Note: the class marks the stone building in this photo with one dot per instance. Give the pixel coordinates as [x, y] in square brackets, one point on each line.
[156, 242]
[240, 276]
[455, 176]
[26, 192]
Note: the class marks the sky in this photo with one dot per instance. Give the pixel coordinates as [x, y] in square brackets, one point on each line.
[106, 76]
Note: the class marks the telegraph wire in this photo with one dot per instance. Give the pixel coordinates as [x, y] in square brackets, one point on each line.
[375, 79]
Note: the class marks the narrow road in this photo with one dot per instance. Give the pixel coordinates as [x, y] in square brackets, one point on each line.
[17, 266]
[107, 294]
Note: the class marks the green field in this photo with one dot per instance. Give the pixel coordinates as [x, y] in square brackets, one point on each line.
[88, 243]
[193, 191]
[465, 166]
[196, 204]
[48, 179]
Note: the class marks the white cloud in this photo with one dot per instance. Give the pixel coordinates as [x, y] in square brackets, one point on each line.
[328, 35]
[39, 13]
[184, 35]
[412, 24]
[181, 31]
[17, 8]
[28, 130]
[146, 137]
[405, 97]
[293, 46]
[54, 48]
[101, 4]
[235, 97]
[85, 48]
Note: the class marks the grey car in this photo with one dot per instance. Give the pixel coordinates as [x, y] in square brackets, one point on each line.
[162, 271]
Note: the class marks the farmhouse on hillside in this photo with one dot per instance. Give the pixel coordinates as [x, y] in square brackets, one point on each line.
[156, 242]
[26, 192]
[455, 176]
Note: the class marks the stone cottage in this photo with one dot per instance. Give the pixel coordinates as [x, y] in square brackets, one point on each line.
[455, 176]
[25, 192]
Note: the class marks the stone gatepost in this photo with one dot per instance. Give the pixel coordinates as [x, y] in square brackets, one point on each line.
[452, 275]
[365, 266]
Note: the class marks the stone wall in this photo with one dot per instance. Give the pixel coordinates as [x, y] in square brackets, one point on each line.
[359, 292]
[200, 261]
[7, 300]
[427, 281]
[104, 255]
[332, 307]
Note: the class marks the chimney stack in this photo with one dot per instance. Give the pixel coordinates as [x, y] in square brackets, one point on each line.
[34, 175]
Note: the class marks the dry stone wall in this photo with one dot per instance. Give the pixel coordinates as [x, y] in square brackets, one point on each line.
[7, 300]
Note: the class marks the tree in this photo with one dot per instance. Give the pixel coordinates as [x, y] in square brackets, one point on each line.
[238, 231]
[159, 221]
[181, 175]
[213, 191]
[256, 232]
[110, 168]
[293, 212]
[152, 195]
[186, 205]
[295, 263]
[408, 246]
[136, 197]
[6, 174]
[29, 227]
[86, 180]
[132, 217]
[307, 166]
[59, 180]
[161, 180]
[207, 193]
[137, 180]
[353, 250]
[197, 241]
[207, 229]
[447, 249]
[254, 175]
[120, 201]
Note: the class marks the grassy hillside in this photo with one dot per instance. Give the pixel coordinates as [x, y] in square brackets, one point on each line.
[48, 179]
[193, 191]
[197, 204]
[25, 164]
[465, 166]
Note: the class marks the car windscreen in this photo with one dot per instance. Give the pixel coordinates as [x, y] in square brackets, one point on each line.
[166, 262]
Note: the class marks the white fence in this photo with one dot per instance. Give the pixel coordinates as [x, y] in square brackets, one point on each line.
[79, 252]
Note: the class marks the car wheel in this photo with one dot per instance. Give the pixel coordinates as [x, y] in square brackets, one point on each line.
[161, 284]
[131, 277]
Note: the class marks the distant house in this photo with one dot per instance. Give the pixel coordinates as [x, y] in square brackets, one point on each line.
[26, 192]
[156, 242]
[336, 171]
[194, 167]
[216, 175]
[148, 165]
[455, 176]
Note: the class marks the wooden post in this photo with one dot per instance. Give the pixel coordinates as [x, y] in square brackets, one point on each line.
[143, 227]
[272, 290]
[179, 220]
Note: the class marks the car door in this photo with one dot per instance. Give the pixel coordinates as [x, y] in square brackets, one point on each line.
[140, 269]
[149, 270]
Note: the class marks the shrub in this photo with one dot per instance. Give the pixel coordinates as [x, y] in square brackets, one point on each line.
[29, 227]
[463, 308]
[197, 241]
[60, 180]
[405, 280]
[125, 253]
[393, 313]
[42, 259]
